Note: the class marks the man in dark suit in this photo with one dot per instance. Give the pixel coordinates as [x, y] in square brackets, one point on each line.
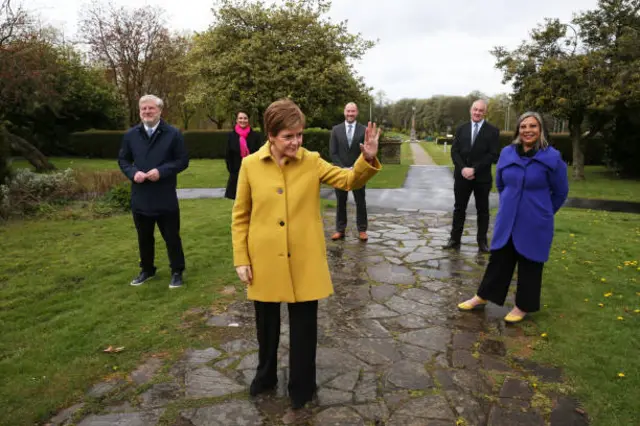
[475, 147]
[151, 156]
[345, 149]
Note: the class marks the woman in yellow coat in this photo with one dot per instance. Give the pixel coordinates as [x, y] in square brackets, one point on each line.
[278, 241]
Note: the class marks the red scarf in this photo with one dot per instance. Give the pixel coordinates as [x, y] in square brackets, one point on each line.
[243, 133]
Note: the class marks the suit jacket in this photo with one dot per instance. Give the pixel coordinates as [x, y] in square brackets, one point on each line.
[234, 160]
[165, 151]
[341, 154]
[480, 156]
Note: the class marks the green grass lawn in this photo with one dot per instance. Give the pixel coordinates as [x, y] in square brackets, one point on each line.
[205, 173]
[599, 182]
[201, 173]
[594, 260]
[393, 175]
[65, 296]
[437, 153]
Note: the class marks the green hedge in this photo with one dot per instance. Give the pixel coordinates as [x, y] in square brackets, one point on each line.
[200, 143]
[594, 155]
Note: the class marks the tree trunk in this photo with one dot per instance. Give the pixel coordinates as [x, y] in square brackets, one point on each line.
[30, 152]
[578, 150]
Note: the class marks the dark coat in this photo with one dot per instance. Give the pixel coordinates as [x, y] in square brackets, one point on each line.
[234, 160]
[480, 156]
[341, 154]
[531, 191]
[166, 152]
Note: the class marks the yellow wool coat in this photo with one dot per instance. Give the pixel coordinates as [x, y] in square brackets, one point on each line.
[277, 227]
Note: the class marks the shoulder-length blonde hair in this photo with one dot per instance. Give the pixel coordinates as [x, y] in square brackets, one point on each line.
[542, 142]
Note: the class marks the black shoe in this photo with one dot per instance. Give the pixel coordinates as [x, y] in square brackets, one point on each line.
[257, 388]
[452, 244]
[483, 247]
[176, 280]
[144, 276]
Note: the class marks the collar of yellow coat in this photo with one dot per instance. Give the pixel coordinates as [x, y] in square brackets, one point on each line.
[265, 152]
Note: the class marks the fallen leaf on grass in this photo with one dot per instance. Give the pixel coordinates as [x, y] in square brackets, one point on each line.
[112, 350]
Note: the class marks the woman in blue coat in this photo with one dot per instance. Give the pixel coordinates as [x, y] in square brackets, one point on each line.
[531, 178]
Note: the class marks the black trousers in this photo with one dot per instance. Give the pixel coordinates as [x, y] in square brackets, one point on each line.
[498, 275]
[169, 225]
[361, 209]
[462, 189]
[303, 324]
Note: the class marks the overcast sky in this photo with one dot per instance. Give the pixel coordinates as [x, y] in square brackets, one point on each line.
[425, 48]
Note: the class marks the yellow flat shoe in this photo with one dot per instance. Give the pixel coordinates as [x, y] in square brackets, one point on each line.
[512, 319]
[467, 306]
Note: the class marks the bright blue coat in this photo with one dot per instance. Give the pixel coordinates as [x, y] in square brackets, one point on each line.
[531, 191]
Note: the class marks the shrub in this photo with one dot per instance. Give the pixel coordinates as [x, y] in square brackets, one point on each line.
[318, 140]
[119, 197]
[94, 183]
[27, 191]
[440, 140]
[4, 156]
[31, 193]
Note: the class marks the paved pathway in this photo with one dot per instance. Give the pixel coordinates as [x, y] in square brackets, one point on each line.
[393, 350]
[420, 156]
[426, 189]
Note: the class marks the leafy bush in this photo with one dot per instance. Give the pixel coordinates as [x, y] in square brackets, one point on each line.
[119, 197]
[27, 191]
[30, 193]
[623, 145]
[315, 139]
[4, 156]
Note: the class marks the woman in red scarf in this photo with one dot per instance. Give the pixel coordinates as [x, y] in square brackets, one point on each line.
[242, 141]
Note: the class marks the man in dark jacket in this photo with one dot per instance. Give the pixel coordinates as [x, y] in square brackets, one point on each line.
[476, 146]
[151, 156]
[345, 149]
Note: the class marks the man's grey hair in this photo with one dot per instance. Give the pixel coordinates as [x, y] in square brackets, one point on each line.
[152, 98]
[486, 104]
[351, 104]
[542, 142]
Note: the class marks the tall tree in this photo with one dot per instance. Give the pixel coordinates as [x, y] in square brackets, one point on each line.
[254, 54]
[132, 44]
[26, 75]
[613, 30]
[552, 73]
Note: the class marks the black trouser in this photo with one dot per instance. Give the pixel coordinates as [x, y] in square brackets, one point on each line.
[462, 189]
[497, 277]
[303, 325]
[361, 209]
[169, 225]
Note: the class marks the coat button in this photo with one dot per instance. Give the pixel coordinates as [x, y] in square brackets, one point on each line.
[281, 223]
[280, 191]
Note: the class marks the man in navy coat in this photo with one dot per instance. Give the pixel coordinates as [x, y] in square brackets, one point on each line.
[151, 156]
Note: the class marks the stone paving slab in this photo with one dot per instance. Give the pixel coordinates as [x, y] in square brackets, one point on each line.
[393, 349]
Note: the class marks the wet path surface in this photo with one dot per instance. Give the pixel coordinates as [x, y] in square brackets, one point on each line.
[393, 349]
